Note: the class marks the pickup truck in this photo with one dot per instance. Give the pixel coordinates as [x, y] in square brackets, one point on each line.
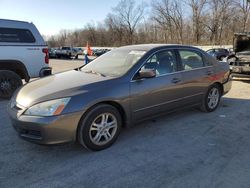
[23, 55]
[240, 61]
[66, 52]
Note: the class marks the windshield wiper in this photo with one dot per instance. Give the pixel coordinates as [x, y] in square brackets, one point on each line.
[93, 72]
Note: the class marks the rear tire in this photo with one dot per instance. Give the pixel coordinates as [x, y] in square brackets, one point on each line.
[9, 83]
[212, 99]
[99, 128]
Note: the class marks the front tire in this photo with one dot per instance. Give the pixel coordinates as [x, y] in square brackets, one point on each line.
[9, 82]
[212, 99]
[99, 128]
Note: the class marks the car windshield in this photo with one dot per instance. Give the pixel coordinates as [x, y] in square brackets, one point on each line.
[114, 63]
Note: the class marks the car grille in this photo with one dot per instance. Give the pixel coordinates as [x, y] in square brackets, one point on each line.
[31, 134]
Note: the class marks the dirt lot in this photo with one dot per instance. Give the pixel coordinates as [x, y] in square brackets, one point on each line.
[60, 65]
[184, 149]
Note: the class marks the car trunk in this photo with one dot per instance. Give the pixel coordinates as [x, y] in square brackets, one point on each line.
[241, 42]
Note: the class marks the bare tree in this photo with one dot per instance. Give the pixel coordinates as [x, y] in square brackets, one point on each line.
[62, 37]
[202, 22]
[168, 14]
[128, 15]
[244, 8]
[197, 7]
[217, 19]
[115, 29]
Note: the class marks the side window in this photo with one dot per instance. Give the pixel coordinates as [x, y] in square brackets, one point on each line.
[16, 35]
[190, 59]
[162, 62]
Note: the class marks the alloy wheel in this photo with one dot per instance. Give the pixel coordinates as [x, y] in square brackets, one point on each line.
[213, 98]
[103, 128]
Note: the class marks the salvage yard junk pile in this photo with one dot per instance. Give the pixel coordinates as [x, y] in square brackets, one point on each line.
[240, 61]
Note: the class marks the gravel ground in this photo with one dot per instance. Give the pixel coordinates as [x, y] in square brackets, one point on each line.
[60, 65]
[183, 149]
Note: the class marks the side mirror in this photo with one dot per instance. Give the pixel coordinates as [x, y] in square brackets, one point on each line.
[146, 73]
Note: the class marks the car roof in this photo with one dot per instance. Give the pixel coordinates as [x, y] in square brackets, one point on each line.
[148, 47]
[15, 24]
[217, 49]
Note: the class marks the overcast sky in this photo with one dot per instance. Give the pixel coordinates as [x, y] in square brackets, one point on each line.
[50, 16]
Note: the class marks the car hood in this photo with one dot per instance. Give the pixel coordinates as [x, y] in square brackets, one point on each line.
[60, 85]
[241, 43]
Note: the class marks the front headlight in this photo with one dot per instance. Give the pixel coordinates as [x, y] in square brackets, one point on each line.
[48, 108]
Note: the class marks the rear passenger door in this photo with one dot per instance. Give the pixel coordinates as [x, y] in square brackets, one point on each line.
[196, 75]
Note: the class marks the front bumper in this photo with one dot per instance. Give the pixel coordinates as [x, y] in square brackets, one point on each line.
[240, 69]
[46, 71]
[45, 130]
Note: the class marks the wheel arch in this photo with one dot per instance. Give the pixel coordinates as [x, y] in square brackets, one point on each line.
[16, 66]
[115, 104]
[220, 87]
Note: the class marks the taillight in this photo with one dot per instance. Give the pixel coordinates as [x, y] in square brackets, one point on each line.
[46, 51]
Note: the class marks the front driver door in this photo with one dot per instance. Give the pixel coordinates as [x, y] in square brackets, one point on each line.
[159, 94]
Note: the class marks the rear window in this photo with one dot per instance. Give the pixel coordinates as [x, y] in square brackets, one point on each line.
[221, 50]
[16, 35]
[191, 60]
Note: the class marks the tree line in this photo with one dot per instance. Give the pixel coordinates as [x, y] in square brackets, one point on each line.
[194, 22]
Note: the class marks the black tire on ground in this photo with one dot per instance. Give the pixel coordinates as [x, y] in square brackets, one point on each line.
[211, 99]
[86, 131]
[76, 57]
[9, 82]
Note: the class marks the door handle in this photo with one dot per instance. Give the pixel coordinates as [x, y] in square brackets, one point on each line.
[176, 80]
[209, 72]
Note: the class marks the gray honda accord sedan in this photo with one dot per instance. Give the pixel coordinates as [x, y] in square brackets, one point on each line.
[129, 84]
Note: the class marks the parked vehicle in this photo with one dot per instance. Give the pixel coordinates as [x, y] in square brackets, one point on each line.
[79, 51]
[240, 61]
[231, 51]
[66, 52]
[52, 53]
[91, 104]
[99, 52]
[23, 55]
[218, 53]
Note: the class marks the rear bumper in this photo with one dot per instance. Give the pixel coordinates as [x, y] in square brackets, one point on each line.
[227, 85]
[46, 71]
[46, 130]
